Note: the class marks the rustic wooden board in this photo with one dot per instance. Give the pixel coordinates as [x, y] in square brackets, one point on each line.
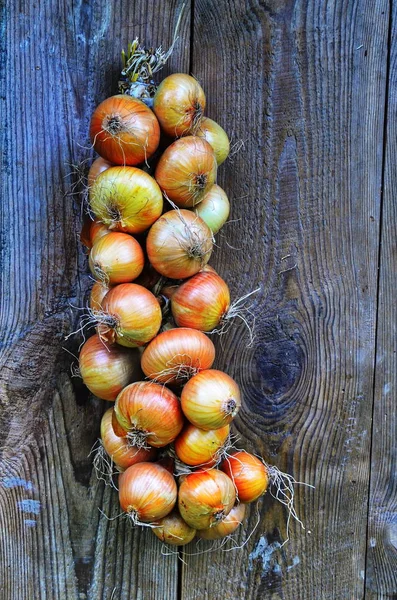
[60, 60]
[381, 567]
[303, 85]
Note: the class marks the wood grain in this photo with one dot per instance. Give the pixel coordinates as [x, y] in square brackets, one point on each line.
[60, 59]
[302, 84]
[381, 566]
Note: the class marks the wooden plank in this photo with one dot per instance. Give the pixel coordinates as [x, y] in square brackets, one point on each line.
[381, 571]
[302, 84]
[60, 59]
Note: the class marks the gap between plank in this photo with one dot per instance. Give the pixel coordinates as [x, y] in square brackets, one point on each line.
[383, 169]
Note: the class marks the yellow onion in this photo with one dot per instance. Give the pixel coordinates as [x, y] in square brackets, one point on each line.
[179, 244]
[226, 526]
[248, 473]
[205, 498]
[201, 302]
[126, 199]
[106, 370]
[177, 354]
[179, 104]
[216, 137]
[147, 492]
[124, 130]
[214, 208]
[197, 447]
[186, 171]
[98, 292]
[210, 399]
[150, 413]
[173, 530]
[116, 258]
[119, 449]
[98, 166]
[97, 230]
[130, 316]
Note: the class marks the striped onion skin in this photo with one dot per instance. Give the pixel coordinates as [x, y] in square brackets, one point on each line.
[149, 412]
[147, 492]
[197, 447]
[211, 399]
[205, 498]
[176, 355]
[201, 301]
[227, 526]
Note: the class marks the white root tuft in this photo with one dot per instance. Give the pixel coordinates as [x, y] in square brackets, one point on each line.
[181, 370]
[93, 318]
[133, 518]
[238, 310]
[103, 464]
[285, 493]
[226, 544]
[138, 439]
[79, 186]
[282, 483]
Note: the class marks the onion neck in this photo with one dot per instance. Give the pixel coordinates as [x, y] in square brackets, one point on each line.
[132, 514]
[230, 407]
[218, 517]
[112, 124]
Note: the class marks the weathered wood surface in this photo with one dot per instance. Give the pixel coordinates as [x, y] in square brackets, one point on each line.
[304, 85]
[61, 59]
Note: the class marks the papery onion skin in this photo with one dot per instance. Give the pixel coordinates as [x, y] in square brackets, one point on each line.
[175, 355]
[126, 199]
[173, 530]
[205, 497]
[106, 370]
[186, 171]
[227, 526]
[98, 166]
[179, 103]
[134, 316]
[152, 409]
[147, 491]
[210, 399]
[179, 244]
[249, 474]
[116, 258]
[124, 130]
[91, 231]
[97, 230]
[118, 430]
[201, 302]
[119, 450]
[197, 447]
[98, 292]
[216, 136]
[214, 208]
[167, 291]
